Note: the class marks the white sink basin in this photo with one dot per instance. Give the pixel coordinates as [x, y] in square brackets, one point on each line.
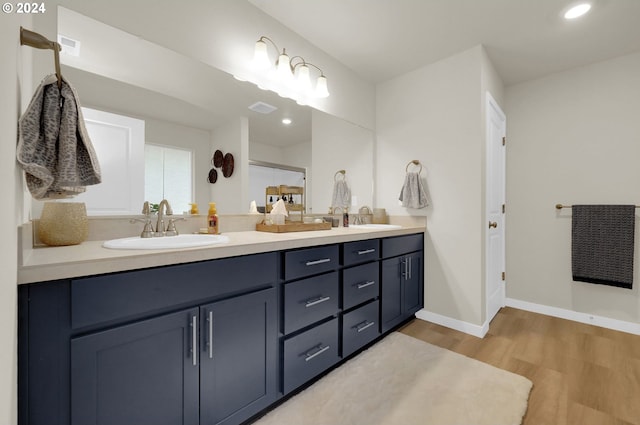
[166, 242]
[376, 226]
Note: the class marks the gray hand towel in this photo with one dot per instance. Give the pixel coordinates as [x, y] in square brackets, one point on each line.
[341, 195]
[602, 244]
[54, 148]
[412, 194]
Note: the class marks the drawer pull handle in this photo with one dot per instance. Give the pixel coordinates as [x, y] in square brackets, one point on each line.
[316, 301]
[366, 251]
[364, 325]
[316, 262]
[210, 320]
[319, 349]
[194, 340]
[365, 284]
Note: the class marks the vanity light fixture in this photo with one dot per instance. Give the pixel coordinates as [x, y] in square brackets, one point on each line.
[577, 10]
[292, 74]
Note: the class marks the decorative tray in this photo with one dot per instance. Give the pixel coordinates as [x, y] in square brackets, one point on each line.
[292, 227]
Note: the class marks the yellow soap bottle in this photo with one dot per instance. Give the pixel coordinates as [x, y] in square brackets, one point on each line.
[194, 209]
[212, 219]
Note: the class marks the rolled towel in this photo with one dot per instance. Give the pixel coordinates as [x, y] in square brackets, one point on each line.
[412, 194]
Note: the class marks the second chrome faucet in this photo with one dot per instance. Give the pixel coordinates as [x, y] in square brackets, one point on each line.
[163, 209]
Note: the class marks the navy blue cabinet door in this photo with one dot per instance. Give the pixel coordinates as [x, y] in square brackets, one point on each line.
[142, 373]
[239, 357]
[402, 289]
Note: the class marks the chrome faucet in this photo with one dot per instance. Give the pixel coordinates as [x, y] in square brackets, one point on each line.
[163, 208]
[147, 232]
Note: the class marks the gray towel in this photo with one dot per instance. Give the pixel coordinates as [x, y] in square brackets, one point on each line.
[602, 244]
[341, 195]
[54, 148]
[412, 194]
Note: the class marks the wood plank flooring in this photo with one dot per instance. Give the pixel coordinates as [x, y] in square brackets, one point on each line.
[581, 374]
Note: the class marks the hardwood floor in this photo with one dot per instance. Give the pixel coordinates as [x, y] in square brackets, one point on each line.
[581, 374]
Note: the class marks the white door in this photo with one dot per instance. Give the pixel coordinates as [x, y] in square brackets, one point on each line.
[119, 144]
[495, 204]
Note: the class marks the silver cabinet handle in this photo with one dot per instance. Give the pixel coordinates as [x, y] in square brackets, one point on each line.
[364, 325]
[210, 320]
[365, 284]
[316, 301]
[366, 251]
[404, 266]
[409, 267]
[316, 262]
[319, 349]
[194, 340]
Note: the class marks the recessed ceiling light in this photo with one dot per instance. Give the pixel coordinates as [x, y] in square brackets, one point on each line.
[577, 11]
[286, 121]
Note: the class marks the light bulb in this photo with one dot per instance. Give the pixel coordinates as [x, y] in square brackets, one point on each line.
[304, 82]
[321, 87]
[260, 56]
[577, 11]
[284, 66]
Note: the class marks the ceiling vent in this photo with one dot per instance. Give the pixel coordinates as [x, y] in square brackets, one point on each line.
[69, 45]
[262, 108]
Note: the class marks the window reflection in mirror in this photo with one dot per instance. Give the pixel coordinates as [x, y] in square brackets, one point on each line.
[168, 174]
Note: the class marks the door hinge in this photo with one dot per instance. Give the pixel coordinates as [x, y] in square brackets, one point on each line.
[504, 141]
[504, 207]
[504, 276]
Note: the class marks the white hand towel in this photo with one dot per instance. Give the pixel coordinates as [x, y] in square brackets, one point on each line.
[412, 194]
[54, 148]
[341, 195]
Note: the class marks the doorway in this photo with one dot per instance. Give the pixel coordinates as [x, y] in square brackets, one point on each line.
[495, 208]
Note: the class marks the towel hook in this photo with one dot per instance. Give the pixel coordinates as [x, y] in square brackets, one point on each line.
[414, 162]
[343, 172]
[33, 39]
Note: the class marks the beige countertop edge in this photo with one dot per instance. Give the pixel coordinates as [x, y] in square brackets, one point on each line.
[90, 258]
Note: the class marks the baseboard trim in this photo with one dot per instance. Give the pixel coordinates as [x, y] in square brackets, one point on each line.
[589, 319]
[458, 325]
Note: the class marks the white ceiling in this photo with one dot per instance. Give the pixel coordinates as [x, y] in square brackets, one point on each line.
[525, 39]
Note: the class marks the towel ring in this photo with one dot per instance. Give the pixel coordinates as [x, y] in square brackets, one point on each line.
[414, 162]
[344, 175]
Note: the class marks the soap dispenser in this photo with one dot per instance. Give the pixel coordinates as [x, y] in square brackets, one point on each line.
[212, 219]
[194, 209]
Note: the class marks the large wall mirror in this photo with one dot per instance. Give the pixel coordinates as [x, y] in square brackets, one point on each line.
[190, 106]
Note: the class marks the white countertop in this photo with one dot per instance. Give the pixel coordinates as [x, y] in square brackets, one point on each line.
[90, 258]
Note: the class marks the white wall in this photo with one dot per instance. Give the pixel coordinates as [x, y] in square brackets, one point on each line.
[340, 145]
[231, 194]
[16, 90]
[434, 115]
[573, 137]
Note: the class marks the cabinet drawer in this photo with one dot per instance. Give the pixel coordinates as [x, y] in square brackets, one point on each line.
[360, 327]
[360, 252]
[359, 284]
[310, 300]
[399, 245]
[307, 262]
[122, 296]
[310, 354]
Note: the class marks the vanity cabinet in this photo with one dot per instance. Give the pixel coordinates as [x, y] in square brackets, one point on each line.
[148, 346]
[402, 290]
[210, 342]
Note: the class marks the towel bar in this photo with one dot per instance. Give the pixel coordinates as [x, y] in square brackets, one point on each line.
[414, 162]
[33, 39]
[560, 206]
